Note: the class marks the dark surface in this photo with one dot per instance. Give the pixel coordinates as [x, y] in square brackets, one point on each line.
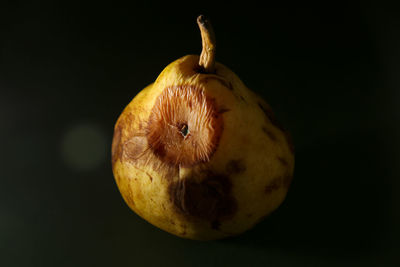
[67, 71]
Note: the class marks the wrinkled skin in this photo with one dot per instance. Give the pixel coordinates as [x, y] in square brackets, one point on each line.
[241, 175]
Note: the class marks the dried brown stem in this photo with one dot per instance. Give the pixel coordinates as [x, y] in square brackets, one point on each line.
[207, 56]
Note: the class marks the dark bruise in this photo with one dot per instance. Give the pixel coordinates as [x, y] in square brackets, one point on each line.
[287, 180]
[207, 196]
[271, 116]
[274, 185]
[223, 110]
[151, 178]
[283, 161]
[235, 166]
[116, 150]
[270, 134]
[222, 81]
[134, 148]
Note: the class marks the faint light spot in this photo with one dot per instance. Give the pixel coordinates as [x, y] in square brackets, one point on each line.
[84, 147]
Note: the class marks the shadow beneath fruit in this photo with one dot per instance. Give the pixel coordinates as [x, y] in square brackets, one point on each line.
[338, 200]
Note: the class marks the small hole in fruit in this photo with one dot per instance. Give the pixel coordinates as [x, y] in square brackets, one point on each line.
[184, 129]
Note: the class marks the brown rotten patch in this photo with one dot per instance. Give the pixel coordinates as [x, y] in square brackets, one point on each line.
[219, 79]
[184, 127]
[271, 117]
[116, 149]
[235, 166]
[273, 185]
[207, 196]
[270, 134]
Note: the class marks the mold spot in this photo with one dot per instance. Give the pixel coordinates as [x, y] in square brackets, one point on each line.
[275, 184]
[205, 196]
[235, 166]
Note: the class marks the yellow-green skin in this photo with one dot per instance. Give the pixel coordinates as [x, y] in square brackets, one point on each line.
[253, 152]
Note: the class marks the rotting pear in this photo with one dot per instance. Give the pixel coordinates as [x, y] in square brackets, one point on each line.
[199, 155]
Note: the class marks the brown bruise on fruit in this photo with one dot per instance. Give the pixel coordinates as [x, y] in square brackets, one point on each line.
[220, 80]
[184, 127]
[205, 196]
[134, 148]
[223, 110]
[235, 167]
[270, 134]
[130, 146]
[275, 184]
[271, 117]
[116, 150]
[283, 161]
[281, 181]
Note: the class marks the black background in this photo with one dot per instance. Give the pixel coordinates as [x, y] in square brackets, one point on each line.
[68, 69]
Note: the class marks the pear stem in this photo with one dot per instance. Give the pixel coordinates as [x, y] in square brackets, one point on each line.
[207, 56]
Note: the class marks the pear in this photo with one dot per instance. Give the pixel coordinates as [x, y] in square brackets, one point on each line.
[199, 155]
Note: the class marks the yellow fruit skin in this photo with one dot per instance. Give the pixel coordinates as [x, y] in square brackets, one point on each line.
[254, 153]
